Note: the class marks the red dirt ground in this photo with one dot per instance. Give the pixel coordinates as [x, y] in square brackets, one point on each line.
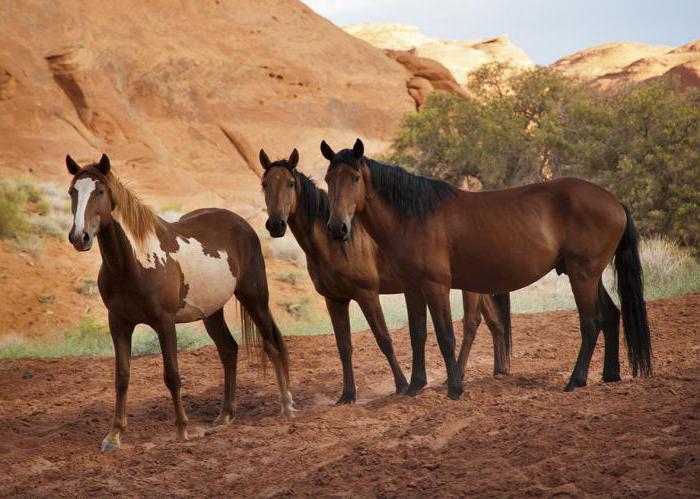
[520, 435]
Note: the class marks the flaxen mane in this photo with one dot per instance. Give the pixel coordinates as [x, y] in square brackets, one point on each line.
[138, 218]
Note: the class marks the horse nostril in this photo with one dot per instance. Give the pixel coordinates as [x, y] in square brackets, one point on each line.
[86, 237]
[283, 224]
[328, 227]
[268, 226]
[344, 228]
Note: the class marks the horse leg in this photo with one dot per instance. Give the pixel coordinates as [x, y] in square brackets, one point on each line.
[438, 298]
[340, 318]
[492, 316]
[216, 326]
[257, 307]
[121, 332]
[167, 337]
[417, 327]
[471, 321]
[372, 309]
[586, 295]
[610, 324]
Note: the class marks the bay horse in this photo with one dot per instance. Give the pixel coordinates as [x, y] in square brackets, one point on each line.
[159, 273]
[358, 270]
[440, 237]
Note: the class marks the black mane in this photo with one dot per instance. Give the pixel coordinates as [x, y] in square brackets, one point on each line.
[312, 201]
[411, 195]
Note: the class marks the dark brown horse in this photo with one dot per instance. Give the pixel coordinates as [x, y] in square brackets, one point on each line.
[357, 270]
[439, 237]
[159, 273]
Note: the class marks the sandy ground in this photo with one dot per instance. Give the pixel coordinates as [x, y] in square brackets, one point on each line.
[515, 436]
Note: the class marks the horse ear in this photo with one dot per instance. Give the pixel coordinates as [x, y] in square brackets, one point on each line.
[358, 150]
[293, 159]
[73, 167]
[327, 151]
[104, 165]
[264, 160]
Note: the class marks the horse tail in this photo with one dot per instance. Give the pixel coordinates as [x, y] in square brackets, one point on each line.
[630, 288]
[251, 337]
[254, 343]
[503, 303]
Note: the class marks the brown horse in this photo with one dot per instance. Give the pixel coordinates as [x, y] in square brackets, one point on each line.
[428, 230]
[159, 273]
[358, 271]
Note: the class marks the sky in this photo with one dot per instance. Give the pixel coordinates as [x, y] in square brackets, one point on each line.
[545, 29]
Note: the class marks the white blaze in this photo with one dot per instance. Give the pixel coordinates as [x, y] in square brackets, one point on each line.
[84, 186]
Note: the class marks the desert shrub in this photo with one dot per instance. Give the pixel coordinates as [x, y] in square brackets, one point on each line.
[29, 211]
[298, 309]
[292, 278]
[286, 249]
[642, 143]
[87, 287]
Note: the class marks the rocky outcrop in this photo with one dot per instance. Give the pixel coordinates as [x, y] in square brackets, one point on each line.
[426, 75]
[459, 57]
[180, 93]
[614, 65]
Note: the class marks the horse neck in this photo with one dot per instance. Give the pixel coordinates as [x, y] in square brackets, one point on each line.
[311, 239]
[380, 220]
[115, 248]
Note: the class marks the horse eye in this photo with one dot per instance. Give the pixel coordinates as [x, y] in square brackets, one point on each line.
[292, 183]
[356, 178]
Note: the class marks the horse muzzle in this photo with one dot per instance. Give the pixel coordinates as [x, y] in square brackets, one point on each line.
[276, 227]
[340, 231]
[81, 241]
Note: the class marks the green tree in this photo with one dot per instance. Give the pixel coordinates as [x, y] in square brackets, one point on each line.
[642, 143]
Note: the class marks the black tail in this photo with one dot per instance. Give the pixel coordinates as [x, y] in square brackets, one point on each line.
[503, 303]
[630, 288]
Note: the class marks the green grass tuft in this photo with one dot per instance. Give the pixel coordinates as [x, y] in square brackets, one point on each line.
[91, 338]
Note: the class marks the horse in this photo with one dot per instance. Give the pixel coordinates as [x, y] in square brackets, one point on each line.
[358, 270]
[440, 237]
[159, 273]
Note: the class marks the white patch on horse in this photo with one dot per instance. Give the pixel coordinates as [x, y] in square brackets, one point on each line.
[149, 253]
[208, 278]
[85, 186]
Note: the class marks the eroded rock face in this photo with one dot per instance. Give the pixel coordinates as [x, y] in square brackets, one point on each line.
[180, 94]
[459, 57]
[426, 75]
[613, 65]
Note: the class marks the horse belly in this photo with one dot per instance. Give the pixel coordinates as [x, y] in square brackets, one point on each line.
[207, 281]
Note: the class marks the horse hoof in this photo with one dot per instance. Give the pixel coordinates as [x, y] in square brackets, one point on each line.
[611, 378]
[401, 389]
[415, 389]
[573, 385]
[181, 436]
[289, 410]
[454, 392]
[345, 400]
[110, 446]
[222, 420]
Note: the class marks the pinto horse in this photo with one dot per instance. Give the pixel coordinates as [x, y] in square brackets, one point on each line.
[440, 237]
[159, 273]
[358, 270]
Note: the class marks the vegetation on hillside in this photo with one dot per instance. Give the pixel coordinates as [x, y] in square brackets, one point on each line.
[642, 143]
